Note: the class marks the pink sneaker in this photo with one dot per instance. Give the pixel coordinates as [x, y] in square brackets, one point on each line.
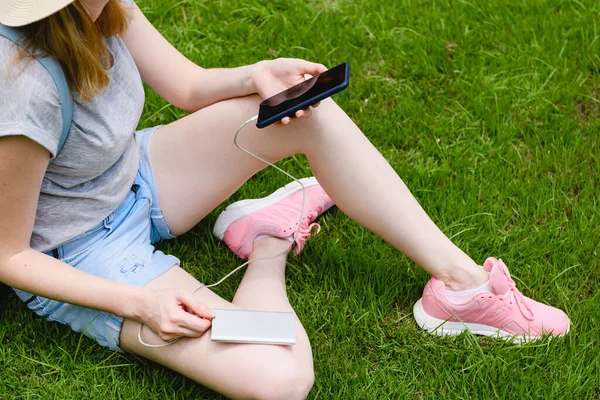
[504, 312]
[275, 215]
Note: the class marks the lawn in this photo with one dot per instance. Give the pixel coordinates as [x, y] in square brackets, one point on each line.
[489, 112]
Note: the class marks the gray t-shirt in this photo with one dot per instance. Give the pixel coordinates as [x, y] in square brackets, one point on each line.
[99, 161]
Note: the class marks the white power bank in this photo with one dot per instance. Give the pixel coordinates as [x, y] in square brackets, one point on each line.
[245, 326]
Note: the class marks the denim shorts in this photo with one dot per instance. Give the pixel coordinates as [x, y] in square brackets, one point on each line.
[120, 248]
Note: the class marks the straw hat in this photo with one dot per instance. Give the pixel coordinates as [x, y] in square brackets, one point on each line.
[23, 12]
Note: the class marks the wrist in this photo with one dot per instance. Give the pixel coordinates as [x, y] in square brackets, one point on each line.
[255, 70]
[137, 304]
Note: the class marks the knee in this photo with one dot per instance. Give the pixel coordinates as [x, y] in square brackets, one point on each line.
[328, 123]
[327, 113]
[288, 382]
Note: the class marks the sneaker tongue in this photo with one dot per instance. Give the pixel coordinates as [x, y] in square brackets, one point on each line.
[499, 277]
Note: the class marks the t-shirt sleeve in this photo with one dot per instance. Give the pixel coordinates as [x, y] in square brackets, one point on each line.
[29, 100]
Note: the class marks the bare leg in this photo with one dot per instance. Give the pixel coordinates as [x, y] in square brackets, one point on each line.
[197, 167]
[236, 370]
[263, 288]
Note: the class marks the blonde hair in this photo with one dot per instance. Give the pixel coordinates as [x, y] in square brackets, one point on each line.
[77, 42]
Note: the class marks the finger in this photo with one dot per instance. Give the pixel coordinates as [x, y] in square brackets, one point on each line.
[193, 326]
[314, 68]
[286, 120]
[307, 113]
[316, 105]
[203, 312]
[196, 307]
[209, 313]
[166, 338]
[299, 113]
[181, 332]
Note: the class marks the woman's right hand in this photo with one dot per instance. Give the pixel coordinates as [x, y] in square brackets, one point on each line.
[174, 313]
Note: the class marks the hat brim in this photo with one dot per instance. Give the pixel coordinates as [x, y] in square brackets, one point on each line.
[22, 12]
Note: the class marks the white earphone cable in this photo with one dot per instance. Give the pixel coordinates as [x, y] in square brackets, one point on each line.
[254, 118]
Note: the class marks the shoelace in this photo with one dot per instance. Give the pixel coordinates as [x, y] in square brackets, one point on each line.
[515, 293]
[305, 230]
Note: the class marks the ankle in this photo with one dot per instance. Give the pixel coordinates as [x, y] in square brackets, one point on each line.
[461, 278]
[271, 246]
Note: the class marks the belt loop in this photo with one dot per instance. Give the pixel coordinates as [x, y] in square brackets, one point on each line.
[29, 300]
[109, 219]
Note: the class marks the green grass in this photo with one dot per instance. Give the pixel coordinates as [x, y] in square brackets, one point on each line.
[488, 110]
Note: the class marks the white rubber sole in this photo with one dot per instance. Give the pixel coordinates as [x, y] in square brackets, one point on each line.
[242, 208]
[441, 327]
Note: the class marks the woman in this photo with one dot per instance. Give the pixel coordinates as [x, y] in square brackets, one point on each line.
[77, 229]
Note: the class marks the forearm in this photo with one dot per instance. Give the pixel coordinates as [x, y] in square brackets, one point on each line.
[177, 79]
[45, 276]
[210, 86]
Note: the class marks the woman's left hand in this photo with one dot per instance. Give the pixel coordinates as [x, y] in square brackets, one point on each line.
[274, 76]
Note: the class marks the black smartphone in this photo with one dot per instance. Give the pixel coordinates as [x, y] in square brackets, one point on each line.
[303, 95]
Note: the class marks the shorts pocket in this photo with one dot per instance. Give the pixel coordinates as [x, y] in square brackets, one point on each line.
[84, 243]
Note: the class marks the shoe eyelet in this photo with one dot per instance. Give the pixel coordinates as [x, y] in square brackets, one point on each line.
[490, 297]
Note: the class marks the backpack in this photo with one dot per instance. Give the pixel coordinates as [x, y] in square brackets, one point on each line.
[66, 100]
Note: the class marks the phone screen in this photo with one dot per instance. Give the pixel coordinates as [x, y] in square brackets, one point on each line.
[303, 95]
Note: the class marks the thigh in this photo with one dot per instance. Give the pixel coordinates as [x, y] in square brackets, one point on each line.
[235, 370]
[197, 166]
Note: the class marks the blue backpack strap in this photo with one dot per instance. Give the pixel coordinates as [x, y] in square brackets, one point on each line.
[55, 70]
